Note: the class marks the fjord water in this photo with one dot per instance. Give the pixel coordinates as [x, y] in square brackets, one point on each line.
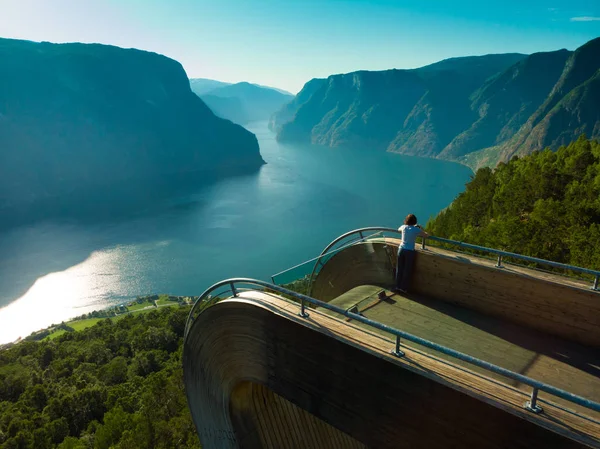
[249, 226]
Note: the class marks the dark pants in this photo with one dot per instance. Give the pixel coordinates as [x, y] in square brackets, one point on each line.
[406, 260]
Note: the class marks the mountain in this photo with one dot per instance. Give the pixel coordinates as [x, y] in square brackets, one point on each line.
[287, 111]
[200, 86]
[572, 108]
[230, 108]
[414, 111]
[478, 110]
[506, 102]
[86, 121]
[244, 102]
[444, 109]
[276, 89]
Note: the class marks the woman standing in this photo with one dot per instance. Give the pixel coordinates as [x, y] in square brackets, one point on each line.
[406, 252]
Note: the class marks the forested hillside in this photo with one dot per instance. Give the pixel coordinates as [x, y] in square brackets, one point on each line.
[544, 205]
[118, 384]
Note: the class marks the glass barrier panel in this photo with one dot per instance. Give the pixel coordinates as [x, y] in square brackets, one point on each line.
[298, 278]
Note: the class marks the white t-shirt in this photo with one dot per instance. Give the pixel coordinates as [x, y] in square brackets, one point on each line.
[409, 236]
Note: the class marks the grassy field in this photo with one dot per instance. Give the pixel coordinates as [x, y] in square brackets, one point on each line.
[164, 300]
[140, 306]
[78, 325]
[55, 334]
[135, 312]
[82, 324]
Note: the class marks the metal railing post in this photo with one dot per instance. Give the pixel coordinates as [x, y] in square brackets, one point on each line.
[303, 313]
[595, 286]
[233, 290]
[531, 405]
[398, 352]
[361, 232]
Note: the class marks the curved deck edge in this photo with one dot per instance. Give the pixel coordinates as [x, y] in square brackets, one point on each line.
[346, 377]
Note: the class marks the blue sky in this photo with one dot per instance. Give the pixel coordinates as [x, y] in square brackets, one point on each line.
[285, 43]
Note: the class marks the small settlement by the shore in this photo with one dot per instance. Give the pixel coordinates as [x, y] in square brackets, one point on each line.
[139, 305]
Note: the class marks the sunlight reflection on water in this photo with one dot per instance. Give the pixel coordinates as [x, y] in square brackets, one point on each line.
[248, 226]
[58, 296]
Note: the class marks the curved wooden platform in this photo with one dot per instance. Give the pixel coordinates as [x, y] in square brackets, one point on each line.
[258, 375]
[546, 302]
[564, 364]
[543, 325]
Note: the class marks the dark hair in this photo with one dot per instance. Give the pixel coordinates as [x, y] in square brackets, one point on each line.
[410, 220]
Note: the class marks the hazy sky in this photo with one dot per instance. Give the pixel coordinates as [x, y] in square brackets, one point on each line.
[287, 42]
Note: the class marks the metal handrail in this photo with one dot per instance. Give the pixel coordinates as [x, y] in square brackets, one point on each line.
[496, 252]
[530, 405]
[501, 253]
[326, 251]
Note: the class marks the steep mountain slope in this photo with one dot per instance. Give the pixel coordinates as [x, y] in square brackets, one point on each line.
[571, 108]
[410, 111]
[287, 112]
[77, 120]
[230, 108]
[361, 108]
[576, 114]
[477, 110]
[245, 102]
[505, 102]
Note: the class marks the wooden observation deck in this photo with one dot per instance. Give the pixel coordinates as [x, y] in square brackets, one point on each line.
[450, 364]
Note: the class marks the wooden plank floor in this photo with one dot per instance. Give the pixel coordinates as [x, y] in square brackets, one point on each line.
[483, 387]
[566, 365]
[546, 302]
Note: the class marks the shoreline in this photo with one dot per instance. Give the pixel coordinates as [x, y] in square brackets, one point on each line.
[140, 304]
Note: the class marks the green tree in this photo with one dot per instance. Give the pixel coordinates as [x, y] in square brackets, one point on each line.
[545, 205]
[116, 384]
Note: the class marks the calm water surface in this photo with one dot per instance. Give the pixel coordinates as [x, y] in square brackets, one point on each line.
[251, 226]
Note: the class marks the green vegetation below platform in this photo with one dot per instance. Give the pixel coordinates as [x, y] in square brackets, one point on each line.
[116, 384]
[544, 205]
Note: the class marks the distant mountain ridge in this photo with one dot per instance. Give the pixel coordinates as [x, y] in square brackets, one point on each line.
[478, 110]
[85, 121]
[202, 86]
[242, 102]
